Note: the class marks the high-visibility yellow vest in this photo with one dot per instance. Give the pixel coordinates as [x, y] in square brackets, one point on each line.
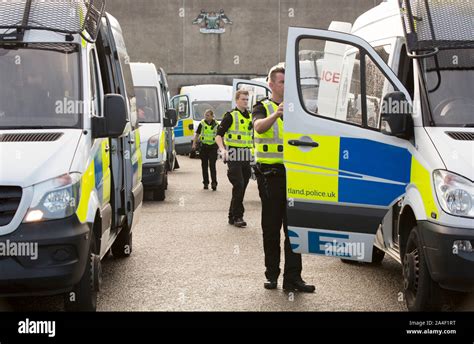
[208, 133]
[269, 145]
[240, 132]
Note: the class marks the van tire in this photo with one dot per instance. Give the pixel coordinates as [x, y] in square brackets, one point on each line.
[159, 194]
[421, 292]
[83, 296]
[122, 246]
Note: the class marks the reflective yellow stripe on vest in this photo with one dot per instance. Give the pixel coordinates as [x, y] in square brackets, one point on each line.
[240, 132]
[208, 133]
[269, 145]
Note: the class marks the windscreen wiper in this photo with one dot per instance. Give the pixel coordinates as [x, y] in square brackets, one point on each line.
[470, 125]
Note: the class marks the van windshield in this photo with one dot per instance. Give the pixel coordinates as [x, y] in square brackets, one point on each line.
[450, 83]
[220, 108]
[147, 105]
[40, 87]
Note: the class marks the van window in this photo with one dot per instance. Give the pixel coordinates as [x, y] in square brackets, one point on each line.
[405, 71]
[377, 86]
[384, 52]
[181, 105]
[147, 105]
[129, 89]
[220, 108]
[94, 86]
[329, 80]
[43, 88]
[329, 77]
[449, 82]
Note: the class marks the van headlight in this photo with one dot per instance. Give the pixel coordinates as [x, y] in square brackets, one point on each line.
[56, 198]
[152, 147]
[455, 193]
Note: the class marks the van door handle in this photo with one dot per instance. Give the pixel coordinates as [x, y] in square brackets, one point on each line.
[132, 141]
[303, 143]
[107, 148]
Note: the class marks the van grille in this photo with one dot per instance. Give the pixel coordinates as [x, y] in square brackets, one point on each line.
[10, 197]
[461, 136]
[30, 137]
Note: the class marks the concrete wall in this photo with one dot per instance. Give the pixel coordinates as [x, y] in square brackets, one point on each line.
[161, 31]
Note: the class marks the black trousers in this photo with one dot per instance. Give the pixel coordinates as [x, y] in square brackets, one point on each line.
[208, 156]
[272, 190]
[239, 173]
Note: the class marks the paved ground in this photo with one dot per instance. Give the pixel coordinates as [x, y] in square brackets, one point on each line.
[187, 258]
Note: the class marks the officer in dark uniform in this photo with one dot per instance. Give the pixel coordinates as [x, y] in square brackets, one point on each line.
[236, 132]
[271, 178]
[206, 134]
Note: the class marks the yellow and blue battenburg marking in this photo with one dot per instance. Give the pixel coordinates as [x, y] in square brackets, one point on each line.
[137, 159]
[96, 177]
[183, 128]
[354, 171]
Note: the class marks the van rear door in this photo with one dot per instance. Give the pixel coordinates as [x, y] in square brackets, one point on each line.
[343, 173]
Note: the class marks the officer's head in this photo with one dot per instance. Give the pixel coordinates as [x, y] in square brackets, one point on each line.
[276, 81]
[242, 99]
[209, 115]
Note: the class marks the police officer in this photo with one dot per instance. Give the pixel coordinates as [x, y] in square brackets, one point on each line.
[271, 178]
[206, 133]
[236, 129]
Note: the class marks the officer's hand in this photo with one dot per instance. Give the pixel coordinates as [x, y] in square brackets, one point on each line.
[194, 146]
[279, 112]
[224, 154]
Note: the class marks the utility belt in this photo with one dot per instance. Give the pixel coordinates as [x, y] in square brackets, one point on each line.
[265, 170]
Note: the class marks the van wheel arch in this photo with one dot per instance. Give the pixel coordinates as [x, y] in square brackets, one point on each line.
[406, 222]
[97, 231]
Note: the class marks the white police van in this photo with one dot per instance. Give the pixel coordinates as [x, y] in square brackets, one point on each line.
[70, 172]
[170, 147]
[379, 151]
[191, 104]
[154, 119]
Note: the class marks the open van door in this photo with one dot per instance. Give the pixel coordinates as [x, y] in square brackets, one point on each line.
[344, 169]
[184, 131]
[257, 91]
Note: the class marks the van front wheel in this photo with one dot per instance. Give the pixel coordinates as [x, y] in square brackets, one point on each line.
[83, 297]
[160, 193]
[122, 247]
[421, 292]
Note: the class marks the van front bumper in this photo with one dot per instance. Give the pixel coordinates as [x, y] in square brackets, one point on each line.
[62, 248]
[451, 268]
[153, 175]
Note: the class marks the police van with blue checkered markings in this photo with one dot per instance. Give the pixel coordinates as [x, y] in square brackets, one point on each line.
[379, 147]
[191, 104]
[71, 169]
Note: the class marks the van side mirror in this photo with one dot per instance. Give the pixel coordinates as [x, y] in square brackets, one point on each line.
[115, 118]
[171, 118]
[396, 116]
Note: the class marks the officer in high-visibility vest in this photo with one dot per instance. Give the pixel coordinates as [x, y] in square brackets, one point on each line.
[206, 134]
[271, 178]
[236, 131]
